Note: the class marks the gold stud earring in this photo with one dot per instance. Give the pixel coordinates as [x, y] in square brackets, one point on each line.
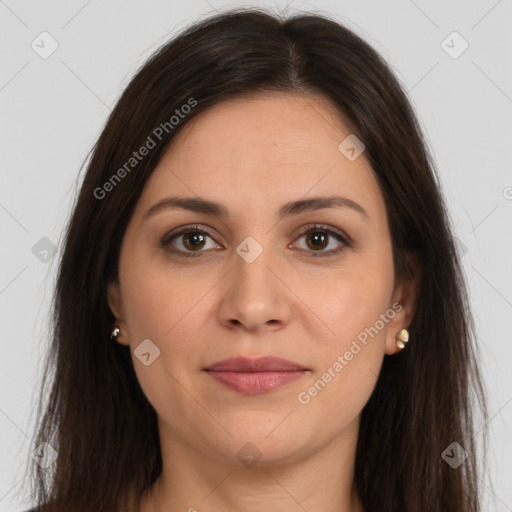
[402, 337]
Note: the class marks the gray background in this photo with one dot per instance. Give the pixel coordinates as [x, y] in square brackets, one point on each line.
[52, 110]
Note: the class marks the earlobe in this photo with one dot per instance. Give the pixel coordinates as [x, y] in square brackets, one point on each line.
[119, 331]
[397, 335]
[406, 295]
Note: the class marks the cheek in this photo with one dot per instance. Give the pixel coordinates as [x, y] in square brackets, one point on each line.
[166, 306]
[158, 297]
[347, 368]
[156, 309]
[356, 308]
[354, 299]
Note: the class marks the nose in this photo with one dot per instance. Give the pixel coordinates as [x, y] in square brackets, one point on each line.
[255, 297]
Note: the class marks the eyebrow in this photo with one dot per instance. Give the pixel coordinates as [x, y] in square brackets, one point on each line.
[207, 207]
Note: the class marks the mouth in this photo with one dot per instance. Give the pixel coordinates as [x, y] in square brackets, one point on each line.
[255, 376]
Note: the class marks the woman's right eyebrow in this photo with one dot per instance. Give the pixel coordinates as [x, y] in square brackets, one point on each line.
[207, 207]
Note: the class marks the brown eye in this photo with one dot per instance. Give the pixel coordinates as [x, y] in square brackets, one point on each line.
[193, 241]
[318, 238]
[188, 241]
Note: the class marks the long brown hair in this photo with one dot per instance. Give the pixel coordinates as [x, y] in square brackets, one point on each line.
[97, 418]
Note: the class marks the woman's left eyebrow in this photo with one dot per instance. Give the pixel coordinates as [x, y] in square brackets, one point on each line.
[207, 207]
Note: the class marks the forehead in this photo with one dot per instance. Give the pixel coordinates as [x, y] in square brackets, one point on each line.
[271, 125]
[271, 148]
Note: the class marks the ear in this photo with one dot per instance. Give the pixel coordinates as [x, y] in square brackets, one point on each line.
[405, 294]
[116, 306]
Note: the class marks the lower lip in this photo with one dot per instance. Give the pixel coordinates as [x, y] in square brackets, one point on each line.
[255, 382]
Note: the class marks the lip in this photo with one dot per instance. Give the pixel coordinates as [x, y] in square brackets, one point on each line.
[260, 364]
[255, 376]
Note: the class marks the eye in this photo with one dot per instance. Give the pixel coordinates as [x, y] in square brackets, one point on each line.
[187, 241]
[320, 237]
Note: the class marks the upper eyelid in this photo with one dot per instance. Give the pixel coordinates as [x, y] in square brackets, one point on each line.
[182, 230]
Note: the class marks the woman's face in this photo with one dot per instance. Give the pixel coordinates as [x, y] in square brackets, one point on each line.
[283, 272]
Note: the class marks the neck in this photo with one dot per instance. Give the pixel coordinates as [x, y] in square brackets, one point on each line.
[321, 480]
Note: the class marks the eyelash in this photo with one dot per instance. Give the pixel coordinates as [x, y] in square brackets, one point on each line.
[314, 228]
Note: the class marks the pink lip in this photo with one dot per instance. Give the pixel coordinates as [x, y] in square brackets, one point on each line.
[253, 376]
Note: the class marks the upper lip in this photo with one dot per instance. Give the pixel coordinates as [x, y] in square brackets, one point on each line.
[261, 364]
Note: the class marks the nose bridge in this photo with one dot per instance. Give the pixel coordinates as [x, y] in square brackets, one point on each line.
[255, 297]
[253, 279]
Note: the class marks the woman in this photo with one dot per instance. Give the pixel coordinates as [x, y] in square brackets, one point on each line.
[259, 301]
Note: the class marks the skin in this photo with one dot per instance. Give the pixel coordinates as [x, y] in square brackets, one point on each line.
[253, 155]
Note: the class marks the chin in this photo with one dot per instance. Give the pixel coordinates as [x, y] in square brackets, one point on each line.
[261, 444]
